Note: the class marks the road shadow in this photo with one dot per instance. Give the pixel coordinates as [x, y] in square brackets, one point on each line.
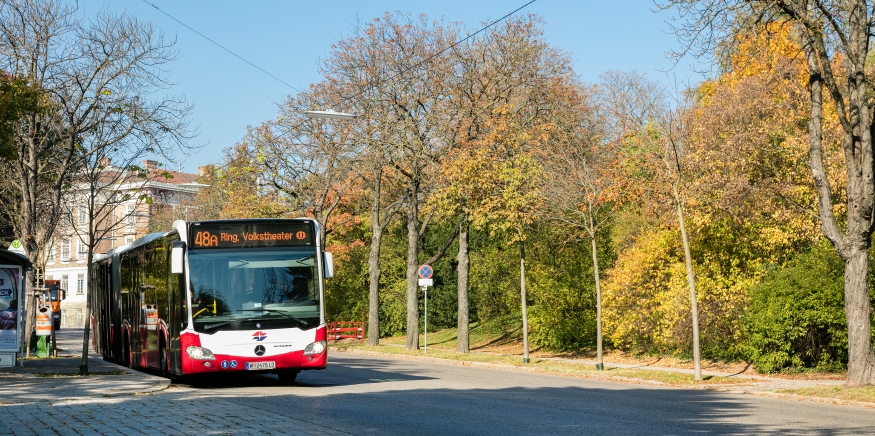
[367, 370]
[560, 411]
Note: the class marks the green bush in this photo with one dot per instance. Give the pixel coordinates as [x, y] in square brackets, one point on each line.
[796, 319]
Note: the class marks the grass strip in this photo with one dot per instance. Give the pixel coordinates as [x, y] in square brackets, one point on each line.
[865, 394]
[547, 366]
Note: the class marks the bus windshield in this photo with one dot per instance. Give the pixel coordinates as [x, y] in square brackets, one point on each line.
[266, 288]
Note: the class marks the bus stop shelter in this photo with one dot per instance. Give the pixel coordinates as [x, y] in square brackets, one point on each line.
[13, 268]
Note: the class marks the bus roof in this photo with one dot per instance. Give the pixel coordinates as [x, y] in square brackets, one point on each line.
[153, 236]
[142, 241]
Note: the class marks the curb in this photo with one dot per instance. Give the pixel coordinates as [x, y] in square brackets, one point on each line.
[106, 380]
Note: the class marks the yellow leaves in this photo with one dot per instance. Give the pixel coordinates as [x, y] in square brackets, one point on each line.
[772, 52]
[646, 298]
[239, 183]
[769, 50]
[643, 293]
[495, 177]
[749, 142]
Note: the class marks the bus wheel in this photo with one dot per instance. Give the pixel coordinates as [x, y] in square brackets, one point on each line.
[126, 353]
[165, 372]
[287, 376]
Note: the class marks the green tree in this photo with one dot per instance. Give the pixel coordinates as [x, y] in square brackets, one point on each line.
[582, 185]
[500, 175]
[834, 37]
[18, 99]
[101, 79]
[795, 319]
[406, 97]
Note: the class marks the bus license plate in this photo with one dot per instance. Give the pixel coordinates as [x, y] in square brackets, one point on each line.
[260, 365]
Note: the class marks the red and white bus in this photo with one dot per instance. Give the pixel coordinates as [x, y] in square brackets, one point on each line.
[215, 296]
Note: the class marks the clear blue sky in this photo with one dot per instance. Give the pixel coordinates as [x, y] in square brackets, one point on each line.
[288, 39]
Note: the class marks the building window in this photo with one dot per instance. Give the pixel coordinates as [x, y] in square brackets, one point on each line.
[83, 215]
[130, 218]
[64, 282]
[80, 284]
[50, 252]
[65, 250]
[82, 248]
[129, 239]
[66, 219]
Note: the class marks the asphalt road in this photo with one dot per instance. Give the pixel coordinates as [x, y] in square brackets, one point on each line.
[375, 395]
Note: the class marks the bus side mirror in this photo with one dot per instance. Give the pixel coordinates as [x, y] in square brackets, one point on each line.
[328, 264]
[177, 255]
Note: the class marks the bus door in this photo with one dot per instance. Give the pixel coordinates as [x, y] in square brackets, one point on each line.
[101, 308]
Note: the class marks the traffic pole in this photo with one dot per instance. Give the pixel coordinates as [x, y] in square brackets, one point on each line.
[425, 289]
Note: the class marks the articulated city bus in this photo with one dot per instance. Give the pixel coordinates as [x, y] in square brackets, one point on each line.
[215, 296]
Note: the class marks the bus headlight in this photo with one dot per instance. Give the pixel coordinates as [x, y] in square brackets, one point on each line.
[315, 348]
[199, 353]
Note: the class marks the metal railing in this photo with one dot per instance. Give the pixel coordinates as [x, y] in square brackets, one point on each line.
[346, 330]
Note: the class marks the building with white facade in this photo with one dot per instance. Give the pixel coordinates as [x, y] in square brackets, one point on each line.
[67, 254]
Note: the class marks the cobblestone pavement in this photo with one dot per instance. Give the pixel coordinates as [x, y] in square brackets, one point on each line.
[46, 397]
[164, 413]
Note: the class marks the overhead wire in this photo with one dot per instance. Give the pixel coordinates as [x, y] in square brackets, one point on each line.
[451, 46]
[390, 79]
[220, 45]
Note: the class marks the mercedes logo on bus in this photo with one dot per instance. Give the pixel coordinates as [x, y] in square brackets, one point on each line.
[259, 350]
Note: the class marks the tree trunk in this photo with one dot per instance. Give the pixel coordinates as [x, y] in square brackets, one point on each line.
[30, 309]
[412, 264]
[694, 308]
[374, 285]
[30, 180]
[600, 363]
[83, 364]
[861, 360]
[462, 339]
[374, 264]
[92, 243]
[523, 300]
[852, 245]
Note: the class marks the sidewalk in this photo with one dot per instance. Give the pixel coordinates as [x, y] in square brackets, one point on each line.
[114, 400]
[58, 378]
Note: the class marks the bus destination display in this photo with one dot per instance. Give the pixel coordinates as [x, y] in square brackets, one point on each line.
[225, 235]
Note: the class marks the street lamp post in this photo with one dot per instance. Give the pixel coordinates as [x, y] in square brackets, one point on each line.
[331, 114]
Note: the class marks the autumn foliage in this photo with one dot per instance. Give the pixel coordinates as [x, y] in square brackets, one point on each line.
[582, 173]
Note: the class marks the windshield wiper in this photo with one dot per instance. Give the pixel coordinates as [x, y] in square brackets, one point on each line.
[278, 312]
[217, 325]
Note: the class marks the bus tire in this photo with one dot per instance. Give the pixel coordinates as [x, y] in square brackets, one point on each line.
[287, 376]
[127, 358]
[162, 356]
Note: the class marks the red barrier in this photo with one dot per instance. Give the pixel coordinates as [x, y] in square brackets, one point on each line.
[346, 330]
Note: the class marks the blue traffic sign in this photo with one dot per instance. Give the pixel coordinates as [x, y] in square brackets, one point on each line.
[425, 272]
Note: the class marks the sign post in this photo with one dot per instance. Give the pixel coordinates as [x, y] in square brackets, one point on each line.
[425, 272]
